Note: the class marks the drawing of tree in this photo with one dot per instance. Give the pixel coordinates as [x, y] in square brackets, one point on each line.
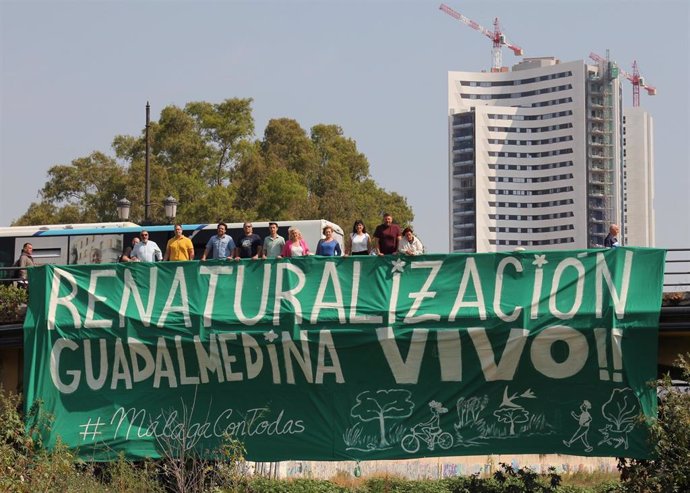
[621, 410]
[512, 415]
[510, 411]
[382, 405]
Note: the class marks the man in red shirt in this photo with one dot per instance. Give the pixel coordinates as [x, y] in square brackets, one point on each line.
[387, 236]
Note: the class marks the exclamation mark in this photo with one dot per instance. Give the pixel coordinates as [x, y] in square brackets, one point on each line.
[616, 343]
[600, 335]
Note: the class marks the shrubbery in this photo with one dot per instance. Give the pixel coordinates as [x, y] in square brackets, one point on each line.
[12, 303]
[669, 471]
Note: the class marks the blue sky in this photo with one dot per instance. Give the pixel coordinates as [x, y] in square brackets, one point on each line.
[75, 74]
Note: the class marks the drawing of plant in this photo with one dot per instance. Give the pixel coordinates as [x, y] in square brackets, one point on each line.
[383, 405]
[352, 436]
[621, 411]
[469, 410]
[470, 427]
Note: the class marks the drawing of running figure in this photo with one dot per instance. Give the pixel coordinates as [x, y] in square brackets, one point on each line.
[584, 419]
[429, 432]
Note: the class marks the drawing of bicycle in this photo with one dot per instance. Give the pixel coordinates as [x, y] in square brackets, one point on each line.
[411, 442]
[429, 432]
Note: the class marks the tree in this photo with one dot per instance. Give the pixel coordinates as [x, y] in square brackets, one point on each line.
[83, 191]
[669, 469]
[281, 195]
[381, 406]
[46, 213]
[205, 156]
[225, 125]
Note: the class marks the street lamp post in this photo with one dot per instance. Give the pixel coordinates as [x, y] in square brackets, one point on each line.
[147, 177]
[170, 205]
[123, 207]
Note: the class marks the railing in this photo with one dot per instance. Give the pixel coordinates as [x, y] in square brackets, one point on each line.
[677, 271]
[14, 274]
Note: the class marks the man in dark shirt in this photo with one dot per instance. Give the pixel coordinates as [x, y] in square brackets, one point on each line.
[387, 236]
[127, 253]
[248, 245]
[611, 241]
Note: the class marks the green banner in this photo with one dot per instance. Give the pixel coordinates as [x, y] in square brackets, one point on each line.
[350, 358]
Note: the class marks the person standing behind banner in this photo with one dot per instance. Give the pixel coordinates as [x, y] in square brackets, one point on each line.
[359, 242]
[220, 245]
[127, 254]
[410, 244]
[387, 236]
[273, 243]
[179, 246]
[146, 250]
[249, 244]
[329, 246]
[611, 241]
[25, 259]
[295, 246]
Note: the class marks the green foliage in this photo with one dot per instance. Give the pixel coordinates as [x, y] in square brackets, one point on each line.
[527, 480]
[282, 195]
[25, 466]
[205, 155]
[12, 303]
[507, 480]
[124, 476]
[261, 485]
[86, 187]
[669, 470]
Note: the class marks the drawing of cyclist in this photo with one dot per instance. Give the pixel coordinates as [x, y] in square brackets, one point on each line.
[432, 428]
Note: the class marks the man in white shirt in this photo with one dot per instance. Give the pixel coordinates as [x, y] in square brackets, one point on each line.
[147, 250]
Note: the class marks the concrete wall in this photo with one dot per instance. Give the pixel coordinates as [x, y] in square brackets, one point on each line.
[444, 467]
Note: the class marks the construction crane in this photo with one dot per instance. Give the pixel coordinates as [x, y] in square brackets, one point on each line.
[496, 36]
[635, 78]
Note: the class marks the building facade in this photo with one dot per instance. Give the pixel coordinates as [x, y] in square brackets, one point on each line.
[535, 156]
[638, 154]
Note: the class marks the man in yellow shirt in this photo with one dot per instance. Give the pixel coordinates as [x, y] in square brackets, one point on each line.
[179, 246]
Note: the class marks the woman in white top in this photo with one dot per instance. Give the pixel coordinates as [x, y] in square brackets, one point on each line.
[410, 244]
[295, 246]
[360, 241]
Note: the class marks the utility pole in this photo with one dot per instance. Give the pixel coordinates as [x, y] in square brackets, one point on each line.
[147, 195]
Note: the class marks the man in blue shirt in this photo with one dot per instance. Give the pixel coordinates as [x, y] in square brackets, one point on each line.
[220, 246]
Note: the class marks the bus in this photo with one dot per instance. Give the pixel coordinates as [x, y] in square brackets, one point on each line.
[97, 243]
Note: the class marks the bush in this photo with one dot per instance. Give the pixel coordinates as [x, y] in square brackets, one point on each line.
[669, 470]
[12, 303]
[26, 466]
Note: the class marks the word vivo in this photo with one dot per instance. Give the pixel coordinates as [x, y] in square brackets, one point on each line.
[344, 291]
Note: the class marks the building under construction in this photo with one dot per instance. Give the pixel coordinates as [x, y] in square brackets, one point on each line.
[536, 157]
